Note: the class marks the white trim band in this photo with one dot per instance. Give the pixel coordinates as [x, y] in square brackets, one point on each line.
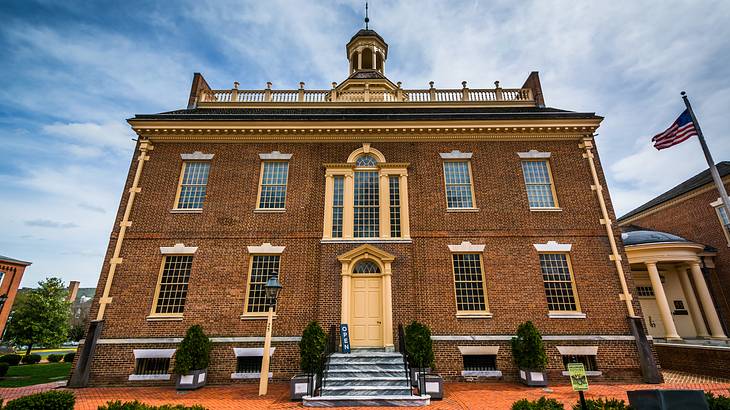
[251, 351]
[197, 156]
[577, 350]
[717, 203]
[552, 246]
[533, 154]
[275, 155]
[142, 377]
[243, 376]
[173, 340]
[466, 247]
[478, 350]
[178, 249]
[499, 338]
[153, 353]
[266, 248]
[567, 315]
[482, 373]
[455, 154]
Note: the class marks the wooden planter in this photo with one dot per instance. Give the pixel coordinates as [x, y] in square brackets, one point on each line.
[415, 372]
[301, 385]
[533, 378]
[193, 380]
[433, 386]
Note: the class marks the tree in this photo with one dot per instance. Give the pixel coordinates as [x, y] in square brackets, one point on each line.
[42, 318]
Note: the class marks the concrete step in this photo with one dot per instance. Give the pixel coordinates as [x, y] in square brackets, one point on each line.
[367, 359]
[364, 373]
[365, 390]
[368, 381]
[367, 401]
[366, 366]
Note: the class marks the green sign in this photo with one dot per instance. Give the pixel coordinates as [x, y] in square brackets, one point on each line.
[578, 379]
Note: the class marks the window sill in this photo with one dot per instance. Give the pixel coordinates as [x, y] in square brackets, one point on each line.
[243, 376]
[462, 209]
[256, 317]
[152, 318]
[588, 373]
[546, 209]
[142, 377]
[567, 315]
[186, 211]
[485, 315]
[366, 240]
[497, 374]
[269, 211]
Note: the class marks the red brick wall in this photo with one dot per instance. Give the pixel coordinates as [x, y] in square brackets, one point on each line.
[9, 286]
[707, 360]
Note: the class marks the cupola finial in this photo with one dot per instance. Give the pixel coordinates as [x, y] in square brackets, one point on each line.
[367, 19]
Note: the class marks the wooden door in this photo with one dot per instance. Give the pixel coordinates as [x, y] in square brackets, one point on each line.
[366, 324]
[652, 318]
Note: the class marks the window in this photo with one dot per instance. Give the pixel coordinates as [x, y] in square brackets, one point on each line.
[558, 281]
[2, 276]
[724, 220]
[192, 187]
[480, 362]
[469, 282]
[539, 184]
[394, 206]
[367, 205]
[262, 268]
[645, 291]
[151, 365]
[589, 361]
[338, 206]
[172, 288]
[272, 191]
[248, 364]
[366, 161]
[459, 192]
[366, 267]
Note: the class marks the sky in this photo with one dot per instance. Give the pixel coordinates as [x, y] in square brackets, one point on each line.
[72, 72]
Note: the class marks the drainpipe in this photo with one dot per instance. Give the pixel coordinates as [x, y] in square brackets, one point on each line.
[708, 279]
[144, 146]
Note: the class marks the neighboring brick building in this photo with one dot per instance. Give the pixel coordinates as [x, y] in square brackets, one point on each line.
[11, 273]
[470, 210]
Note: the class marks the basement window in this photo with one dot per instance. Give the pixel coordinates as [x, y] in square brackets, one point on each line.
[152, 364]
[480, 362]
[589, 362]
[248, 362]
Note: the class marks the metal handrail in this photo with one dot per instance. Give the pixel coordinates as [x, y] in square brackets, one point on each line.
[324, 362]
[404, 352]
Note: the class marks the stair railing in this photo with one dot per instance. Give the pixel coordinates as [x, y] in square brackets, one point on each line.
[404, 352]
[324, 360]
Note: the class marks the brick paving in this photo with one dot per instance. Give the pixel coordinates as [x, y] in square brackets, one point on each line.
[494, 396]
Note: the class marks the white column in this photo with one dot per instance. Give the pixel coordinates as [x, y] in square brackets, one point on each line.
[670, 330]
[694, 307]
[387, 309]
[345, 297]
[704, 293]
[328, 197]
[405, 223]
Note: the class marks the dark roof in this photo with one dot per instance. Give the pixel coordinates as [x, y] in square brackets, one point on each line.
[697, 181]
[366, 74]
[638, 237]
[366, 33]
[366, 114]
[15, 261]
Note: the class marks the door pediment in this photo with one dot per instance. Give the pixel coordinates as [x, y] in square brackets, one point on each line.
[366, 250]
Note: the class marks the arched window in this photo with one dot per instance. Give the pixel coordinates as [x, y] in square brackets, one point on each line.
[379, 61]
[367, 198]
[366, 267]
[366, 161]
[367, 59]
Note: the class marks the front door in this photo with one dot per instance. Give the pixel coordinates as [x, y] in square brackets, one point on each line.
[366, 326]
[652, 318]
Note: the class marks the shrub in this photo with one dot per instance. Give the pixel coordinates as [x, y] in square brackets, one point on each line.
[528, 351]
[717, 402]
[419, 345]
[54, 358]
[31, 359]
[11, 359]
[193, 352]
[600, 404]
[135, 405]
[50, 400]
[69, 357]
[3, 370]
[542, 403]
[311, 347]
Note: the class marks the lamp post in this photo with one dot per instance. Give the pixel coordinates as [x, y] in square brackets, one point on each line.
[272, 287]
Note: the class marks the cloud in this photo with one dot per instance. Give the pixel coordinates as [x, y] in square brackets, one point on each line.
[90, 207]
[89, 135]
[47, 223]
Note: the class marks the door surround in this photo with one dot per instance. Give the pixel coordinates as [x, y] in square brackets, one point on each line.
[384, 260]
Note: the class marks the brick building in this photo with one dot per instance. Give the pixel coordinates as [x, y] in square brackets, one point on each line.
[470, 210]
[11, 274]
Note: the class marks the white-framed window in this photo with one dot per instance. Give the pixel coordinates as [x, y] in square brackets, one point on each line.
[480, 361]
[645, 291]
[2, 276]
[559, 283]
[272, 187]
[585, 355]
[539, 184]
[248, 362]
[151, 364]
[261, 268]
[722, 216]
[367, 200]
[192, 186]
[469, 283]
[394, 189]
[458, 184]
[338, 206]
[172, 285]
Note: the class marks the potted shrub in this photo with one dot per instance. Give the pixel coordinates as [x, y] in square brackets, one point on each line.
[311, 349]
[191, 359]
[529, 355]
[420, 355]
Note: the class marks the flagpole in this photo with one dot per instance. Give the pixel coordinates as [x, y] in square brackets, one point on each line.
[713, 169]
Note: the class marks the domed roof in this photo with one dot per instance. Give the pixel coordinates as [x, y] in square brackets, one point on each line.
[644, 236]
[366, 33]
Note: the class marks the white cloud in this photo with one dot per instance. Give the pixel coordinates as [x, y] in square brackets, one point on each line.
[89, 135]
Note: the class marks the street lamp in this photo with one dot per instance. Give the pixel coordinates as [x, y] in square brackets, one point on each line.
[272, 288]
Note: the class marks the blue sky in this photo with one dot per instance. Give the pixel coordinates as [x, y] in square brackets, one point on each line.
[73, 71]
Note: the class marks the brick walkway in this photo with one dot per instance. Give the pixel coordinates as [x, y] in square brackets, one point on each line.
[458, 395]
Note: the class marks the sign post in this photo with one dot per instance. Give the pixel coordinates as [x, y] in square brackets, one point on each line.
[345, 337]
[579, 381]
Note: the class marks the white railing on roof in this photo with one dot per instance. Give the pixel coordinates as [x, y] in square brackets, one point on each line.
[427, 95]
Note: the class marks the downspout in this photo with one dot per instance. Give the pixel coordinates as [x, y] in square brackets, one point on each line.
[587, 144]
[144, 146]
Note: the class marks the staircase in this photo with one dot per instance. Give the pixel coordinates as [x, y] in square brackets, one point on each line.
[365, 377]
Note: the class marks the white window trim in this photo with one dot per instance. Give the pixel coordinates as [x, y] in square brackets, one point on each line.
[178, 249]
[578, 350]
[588, 373]
[552, 246]
[455, 154]
[466, 246]
[266, 249]
[715, 207]
[275, 156]
[482, 373]
[197, 156]
[717, 203]
[151, 354]
[249, 352]
[478, 350]
[567, 315]
[533, 154]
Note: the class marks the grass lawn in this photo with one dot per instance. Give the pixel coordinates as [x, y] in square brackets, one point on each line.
[45, 352]
[29, 374]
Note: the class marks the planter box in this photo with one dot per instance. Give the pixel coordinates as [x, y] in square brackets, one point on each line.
[301, 385]
[193, 380]
[434, 386]
[415, 371]
[533, 378]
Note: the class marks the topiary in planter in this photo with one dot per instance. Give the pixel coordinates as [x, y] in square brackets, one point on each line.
[311, 347]
[419, 345]
[11, 359]
[54, 358]
[193, 352]
[528, 350]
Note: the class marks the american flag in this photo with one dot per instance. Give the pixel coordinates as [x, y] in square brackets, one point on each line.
[678, 132]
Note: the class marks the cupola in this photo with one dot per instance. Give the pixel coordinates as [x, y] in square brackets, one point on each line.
[367, 51]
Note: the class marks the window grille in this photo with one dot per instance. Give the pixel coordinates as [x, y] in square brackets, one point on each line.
[558, 281]
[394, 206]
[366, 207]
[539, 184]
[152, 365]
[366, 161]
[645, 291]
[248, 364]
[262, 268]
[480, 362]
[366, 267]
[468, 280]
[338, 206]
[458, 184]
[174, 284]
[589, 361]
[273, 185]
[193, 185]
